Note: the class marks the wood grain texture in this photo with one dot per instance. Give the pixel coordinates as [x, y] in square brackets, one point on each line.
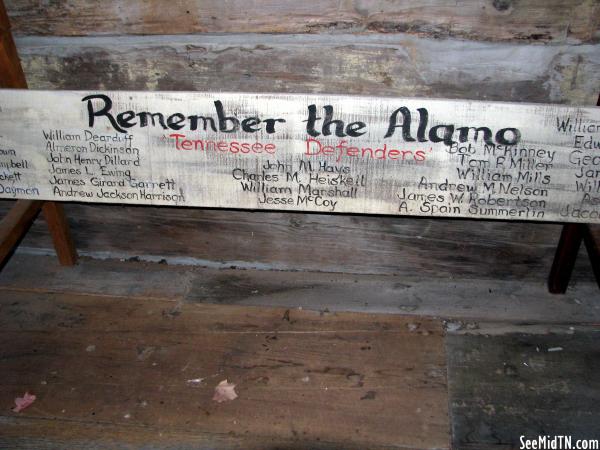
[494, 20]
[375, 65]
[466, 301]
[502, 387]
[43, 434]
[372, 66]
[126, 365]
[439, 248]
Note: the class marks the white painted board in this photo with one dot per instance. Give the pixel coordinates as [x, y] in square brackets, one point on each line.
[398, 156]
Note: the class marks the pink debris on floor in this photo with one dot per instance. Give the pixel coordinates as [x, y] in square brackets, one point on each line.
[224, 392]
[23, 402]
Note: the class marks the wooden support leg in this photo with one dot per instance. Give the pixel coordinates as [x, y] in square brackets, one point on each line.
[564, 260]
[11, 73]
[15, 224]
[59, 229]
[592, 244]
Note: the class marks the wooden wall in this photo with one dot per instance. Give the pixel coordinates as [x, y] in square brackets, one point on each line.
[554, 21]
[514, 50]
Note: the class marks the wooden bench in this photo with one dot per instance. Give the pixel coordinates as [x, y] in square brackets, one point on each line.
[298, 153]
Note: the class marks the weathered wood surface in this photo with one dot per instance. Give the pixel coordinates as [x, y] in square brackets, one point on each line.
[503, 387]
[308, 380]
[342, 154]
[468, 301]
[438, 248]
[123, 300]
[379, 65]
[372, 65]
[495, 20]
[44, 434]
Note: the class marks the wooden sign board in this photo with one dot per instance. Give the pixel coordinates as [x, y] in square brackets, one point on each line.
[330, 154]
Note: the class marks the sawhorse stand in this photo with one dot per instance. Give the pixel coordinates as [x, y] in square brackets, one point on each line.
[17, 222]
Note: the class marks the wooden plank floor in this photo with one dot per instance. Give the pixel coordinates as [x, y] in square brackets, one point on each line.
[515, 384]
[109, 346]
[112, 372]
[464, 299]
